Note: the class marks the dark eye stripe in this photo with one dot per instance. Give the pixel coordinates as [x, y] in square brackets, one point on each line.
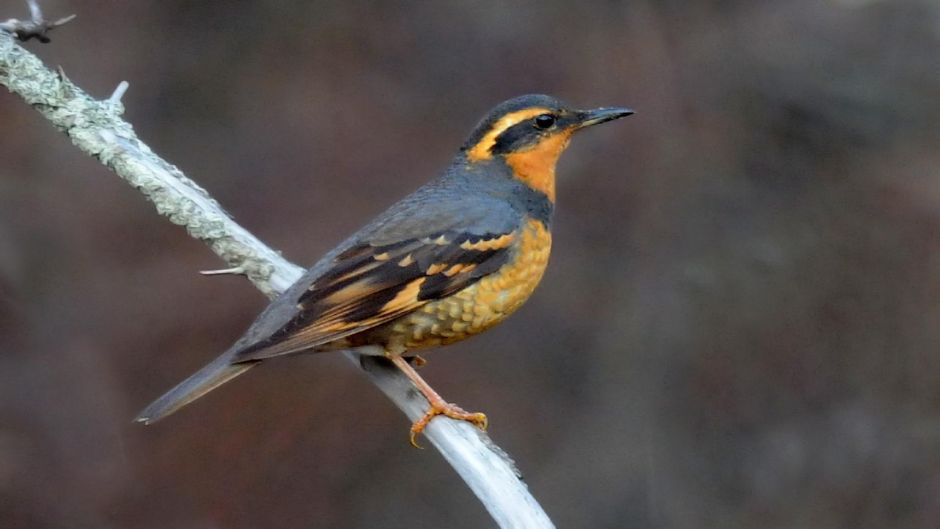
[516, 137]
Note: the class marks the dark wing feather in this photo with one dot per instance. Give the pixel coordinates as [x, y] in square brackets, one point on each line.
[368, 285]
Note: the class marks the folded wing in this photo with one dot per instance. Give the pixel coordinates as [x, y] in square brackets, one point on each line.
[368, 285]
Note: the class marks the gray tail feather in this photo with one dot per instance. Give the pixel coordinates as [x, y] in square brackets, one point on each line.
[218, 372]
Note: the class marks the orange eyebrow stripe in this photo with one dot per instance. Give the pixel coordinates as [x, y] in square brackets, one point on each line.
[481, 151]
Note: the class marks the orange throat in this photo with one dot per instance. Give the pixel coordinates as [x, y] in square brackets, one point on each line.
[536, 166]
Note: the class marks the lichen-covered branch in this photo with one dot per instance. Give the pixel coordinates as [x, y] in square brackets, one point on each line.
[97, 129]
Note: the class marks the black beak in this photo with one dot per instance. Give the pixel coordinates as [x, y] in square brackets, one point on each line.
[587, 118]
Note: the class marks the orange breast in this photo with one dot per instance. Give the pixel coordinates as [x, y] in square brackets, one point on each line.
[481, 305]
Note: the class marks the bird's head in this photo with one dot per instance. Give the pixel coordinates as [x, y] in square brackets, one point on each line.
[529, 133]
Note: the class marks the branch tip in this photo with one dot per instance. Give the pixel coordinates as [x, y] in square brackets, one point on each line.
[64, 20]
[235, 270]
[118, 93]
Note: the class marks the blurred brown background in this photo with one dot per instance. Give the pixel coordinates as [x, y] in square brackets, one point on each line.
[739, 328]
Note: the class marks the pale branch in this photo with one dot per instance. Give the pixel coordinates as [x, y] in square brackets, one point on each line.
[97, 129]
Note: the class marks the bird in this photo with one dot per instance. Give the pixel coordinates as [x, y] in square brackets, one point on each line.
[450, 260]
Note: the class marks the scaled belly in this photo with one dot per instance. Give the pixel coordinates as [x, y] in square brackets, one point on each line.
[481, 305]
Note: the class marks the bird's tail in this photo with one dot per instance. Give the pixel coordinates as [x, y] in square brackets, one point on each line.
[218, 372]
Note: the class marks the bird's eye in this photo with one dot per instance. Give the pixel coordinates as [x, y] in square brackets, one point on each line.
[544, 121]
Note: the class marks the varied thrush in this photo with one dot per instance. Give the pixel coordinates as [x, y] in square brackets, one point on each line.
[451, 260]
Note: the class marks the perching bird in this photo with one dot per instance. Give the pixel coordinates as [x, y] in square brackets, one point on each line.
[451, 260]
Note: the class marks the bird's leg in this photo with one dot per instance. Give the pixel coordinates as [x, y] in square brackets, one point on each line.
[438, 406]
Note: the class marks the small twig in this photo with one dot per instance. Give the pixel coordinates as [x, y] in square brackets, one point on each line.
[118, 93]
[34, 10]
[235, 270]
[37, 27]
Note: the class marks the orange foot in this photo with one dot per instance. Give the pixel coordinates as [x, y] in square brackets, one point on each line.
[439, 407]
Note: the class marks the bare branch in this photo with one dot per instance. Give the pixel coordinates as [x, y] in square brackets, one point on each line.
[37, 27]
[96, 128]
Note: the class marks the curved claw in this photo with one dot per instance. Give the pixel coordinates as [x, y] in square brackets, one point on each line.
[437, 405]
[448, 410]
